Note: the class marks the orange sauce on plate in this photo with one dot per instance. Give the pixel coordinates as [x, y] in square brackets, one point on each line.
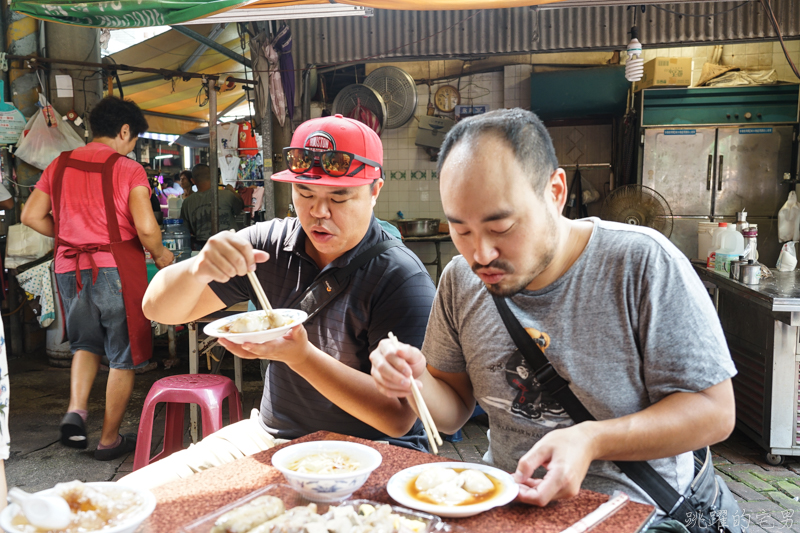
[418, 495]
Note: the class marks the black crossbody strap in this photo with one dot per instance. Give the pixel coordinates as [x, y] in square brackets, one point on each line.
[640, 472]
[326, 287]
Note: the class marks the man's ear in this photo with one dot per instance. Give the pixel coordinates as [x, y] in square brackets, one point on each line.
[125, 132]
[376, 191]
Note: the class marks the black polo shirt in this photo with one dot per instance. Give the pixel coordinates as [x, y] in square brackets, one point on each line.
[393, 292]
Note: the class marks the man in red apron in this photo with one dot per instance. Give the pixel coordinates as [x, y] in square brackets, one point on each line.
[101, 218]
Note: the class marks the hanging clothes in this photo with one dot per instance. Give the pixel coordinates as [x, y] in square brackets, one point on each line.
[261, 74]
[229, 168]
[228, 139]
[276, 83]
[37, 282]
[247, 141]
[283, 45]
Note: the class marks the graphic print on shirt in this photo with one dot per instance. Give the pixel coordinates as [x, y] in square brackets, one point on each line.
[530, 400]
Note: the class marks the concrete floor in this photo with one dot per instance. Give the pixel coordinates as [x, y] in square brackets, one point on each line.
[770, 496]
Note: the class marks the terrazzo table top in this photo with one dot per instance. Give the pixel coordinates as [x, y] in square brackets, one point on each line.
[183, 501]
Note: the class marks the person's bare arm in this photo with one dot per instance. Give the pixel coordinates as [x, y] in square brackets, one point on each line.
[180, 292]
[6, 204]
[667, 428]
[449, 396]
[146, 226]
[36, 214]
[349, 388]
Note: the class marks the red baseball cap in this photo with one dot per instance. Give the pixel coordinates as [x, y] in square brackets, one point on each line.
[336, 133]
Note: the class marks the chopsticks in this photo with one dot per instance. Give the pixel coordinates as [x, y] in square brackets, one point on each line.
[614, 504]
[259, 290]
[424, 413]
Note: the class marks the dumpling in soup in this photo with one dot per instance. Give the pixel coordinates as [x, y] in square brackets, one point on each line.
[449, 493]
[435, 476]
[475, 482]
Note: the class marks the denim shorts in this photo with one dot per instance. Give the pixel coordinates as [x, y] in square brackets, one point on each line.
[95, 318]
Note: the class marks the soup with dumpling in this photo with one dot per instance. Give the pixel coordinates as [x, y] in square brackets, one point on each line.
[256, 321]
[453, 486]
[325, 463]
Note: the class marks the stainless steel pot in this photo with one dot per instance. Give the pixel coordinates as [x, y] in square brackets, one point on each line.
[417, 227]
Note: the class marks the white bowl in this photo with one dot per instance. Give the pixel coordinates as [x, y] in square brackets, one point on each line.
[295, 315]
[398, 490]
[128, 526]
[327, 487]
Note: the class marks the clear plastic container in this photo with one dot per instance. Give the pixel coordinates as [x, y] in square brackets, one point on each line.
[176, 236]
[731, 246]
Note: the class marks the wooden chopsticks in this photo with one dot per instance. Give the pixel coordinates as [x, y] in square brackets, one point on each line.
[259, 290]
[424, 414]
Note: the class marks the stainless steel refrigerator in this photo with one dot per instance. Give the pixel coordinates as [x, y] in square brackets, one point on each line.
[711, 173]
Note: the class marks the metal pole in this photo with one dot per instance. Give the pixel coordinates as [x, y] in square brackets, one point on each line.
[212, 155]
[202, 39]
[266, 154]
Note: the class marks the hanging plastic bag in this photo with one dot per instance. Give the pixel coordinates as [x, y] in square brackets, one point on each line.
[25, 245]
[46, 138]
[787, 261]
[789, 219]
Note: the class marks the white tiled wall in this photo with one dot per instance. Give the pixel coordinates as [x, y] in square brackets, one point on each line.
[412, 186]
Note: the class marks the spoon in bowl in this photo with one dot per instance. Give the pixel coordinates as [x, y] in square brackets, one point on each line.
[45, 512]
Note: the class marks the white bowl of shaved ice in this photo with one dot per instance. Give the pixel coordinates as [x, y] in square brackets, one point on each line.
[326, 471]
[255, 326]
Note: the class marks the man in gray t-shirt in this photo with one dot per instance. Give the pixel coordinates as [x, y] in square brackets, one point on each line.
[617, 310]
[196, 209]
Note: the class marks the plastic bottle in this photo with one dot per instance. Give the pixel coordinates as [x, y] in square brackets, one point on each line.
[731, 246]
[712, 251]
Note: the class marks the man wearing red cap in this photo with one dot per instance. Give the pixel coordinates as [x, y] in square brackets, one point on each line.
[319, 376]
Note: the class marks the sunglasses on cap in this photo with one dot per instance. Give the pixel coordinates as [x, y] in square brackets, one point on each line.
[333, 162]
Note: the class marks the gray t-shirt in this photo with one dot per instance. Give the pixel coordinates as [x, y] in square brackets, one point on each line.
[627, 325]
[196, 211]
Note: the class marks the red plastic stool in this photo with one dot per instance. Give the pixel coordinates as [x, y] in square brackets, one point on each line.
[205, 390]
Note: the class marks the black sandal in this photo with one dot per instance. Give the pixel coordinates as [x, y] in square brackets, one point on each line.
[73, 431]
[126, 446]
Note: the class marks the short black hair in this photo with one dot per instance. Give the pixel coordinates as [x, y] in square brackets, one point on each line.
[201, 173]
[111, 113]
[521, 129]
[187, 173]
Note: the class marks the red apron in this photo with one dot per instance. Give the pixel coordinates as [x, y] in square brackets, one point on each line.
[129, 255]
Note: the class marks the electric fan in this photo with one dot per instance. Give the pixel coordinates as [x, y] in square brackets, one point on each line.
[639, 206]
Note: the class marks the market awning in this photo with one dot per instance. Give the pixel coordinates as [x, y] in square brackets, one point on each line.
[138, 14]
[183, 101]
[143, 13]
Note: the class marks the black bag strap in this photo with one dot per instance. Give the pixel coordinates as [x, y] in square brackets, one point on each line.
[640, 472]
[329, 285]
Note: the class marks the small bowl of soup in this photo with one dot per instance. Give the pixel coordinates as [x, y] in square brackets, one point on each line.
[326, 471]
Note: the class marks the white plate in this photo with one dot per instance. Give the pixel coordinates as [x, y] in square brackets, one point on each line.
[213, 329]
[398, 483]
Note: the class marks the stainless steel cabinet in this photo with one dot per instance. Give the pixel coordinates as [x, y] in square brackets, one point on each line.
[711, 173]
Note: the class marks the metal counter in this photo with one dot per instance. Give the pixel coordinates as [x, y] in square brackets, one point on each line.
[762, 329]
[779, 294]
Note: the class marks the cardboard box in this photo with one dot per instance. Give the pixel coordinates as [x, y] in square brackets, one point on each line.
[666, 72]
